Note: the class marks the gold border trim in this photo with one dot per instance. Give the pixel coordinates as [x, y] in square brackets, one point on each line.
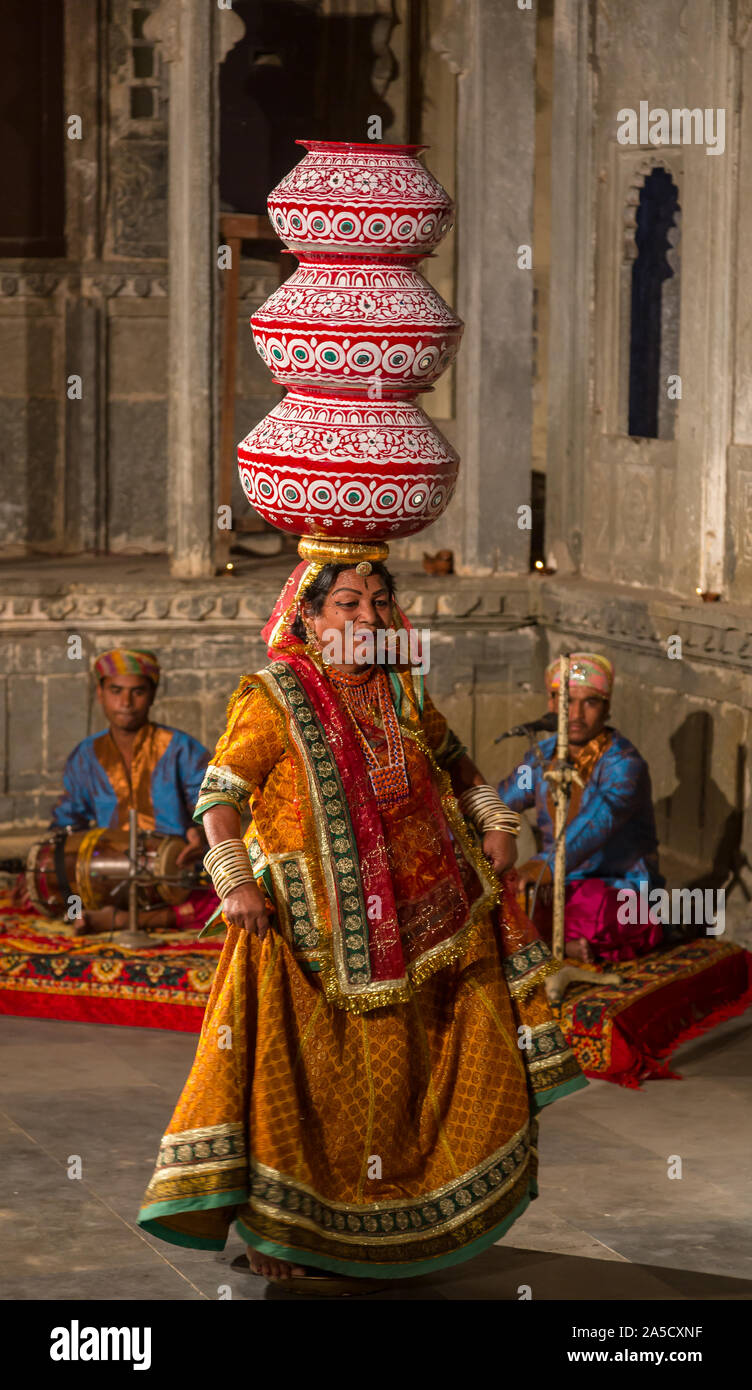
[276, 864]
[382, 1241]
[381, 994]
[435, 1194]
[197, 1136]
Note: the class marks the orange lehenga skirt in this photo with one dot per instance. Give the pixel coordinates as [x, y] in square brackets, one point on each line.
[388, 1142]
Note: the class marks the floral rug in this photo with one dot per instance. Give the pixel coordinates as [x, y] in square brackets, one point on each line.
[623, 1033]
[47, 972]
[627, 1033]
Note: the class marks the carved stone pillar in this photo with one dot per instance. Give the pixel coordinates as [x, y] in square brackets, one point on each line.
[704, 418]
[83, 483]
[194, 39]
[493, 49]
[571, 183]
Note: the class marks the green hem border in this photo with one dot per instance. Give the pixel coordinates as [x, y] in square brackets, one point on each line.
[381, 1271]
[148, 1218]
[577, 1083]
[166, 1233]
[222, 799]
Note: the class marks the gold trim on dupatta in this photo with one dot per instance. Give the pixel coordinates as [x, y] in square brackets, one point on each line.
[338, 988]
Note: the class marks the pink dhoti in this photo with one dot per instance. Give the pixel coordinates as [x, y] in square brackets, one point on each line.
[197, 909]
[591, 909]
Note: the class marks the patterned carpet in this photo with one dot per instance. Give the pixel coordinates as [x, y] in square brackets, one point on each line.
[626, 1033]
[48, 972]
[620, 1033]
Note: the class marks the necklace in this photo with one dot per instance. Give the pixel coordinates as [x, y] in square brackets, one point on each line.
[364, 696]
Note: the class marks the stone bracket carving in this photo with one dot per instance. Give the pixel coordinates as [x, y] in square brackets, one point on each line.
[30, 285]
[449, 26]
[90, 282]
[163, 27]
[639, 625]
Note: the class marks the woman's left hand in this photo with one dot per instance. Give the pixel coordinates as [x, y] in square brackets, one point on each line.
[501, 849]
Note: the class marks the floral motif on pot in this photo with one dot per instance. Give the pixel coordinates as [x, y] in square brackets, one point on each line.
[355, 323]
[324, 466]
[360, 197]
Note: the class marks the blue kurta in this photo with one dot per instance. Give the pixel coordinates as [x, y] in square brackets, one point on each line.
[612, 836]
[166, 775]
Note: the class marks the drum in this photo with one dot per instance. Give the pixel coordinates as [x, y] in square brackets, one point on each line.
[93, 865]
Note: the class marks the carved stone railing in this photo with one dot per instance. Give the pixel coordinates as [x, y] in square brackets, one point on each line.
[582, 612]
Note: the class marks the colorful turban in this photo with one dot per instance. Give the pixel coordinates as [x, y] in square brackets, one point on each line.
[122, 662]
[585, 668]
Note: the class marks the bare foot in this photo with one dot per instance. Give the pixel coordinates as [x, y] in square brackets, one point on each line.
[105, 919]
[270, 1268]
[579, 949]
[101, 920]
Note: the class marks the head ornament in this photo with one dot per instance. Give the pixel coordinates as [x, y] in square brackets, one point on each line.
[585, 668]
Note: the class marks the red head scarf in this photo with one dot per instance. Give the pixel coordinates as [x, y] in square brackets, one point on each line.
[277, 632]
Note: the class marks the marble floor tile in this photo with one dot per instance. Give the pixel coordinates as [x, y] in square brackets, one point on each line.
[609, 1222]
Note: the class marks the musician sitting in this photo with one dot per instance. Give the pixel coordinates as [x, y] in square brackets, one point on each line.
[136, 763]
[611, 841]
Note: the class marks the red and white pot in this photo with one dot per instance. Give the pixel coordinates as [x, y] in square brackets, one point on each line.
[377, 199]
[324, 465]
[354, 323]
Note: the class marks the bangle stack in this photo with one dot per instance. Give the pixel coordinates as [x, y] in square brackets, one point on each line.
[484, 807]
[229, 866]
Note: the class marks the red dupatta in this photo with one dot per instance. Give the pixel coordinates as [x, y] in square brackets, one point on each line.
[525, 958]
[384, 944]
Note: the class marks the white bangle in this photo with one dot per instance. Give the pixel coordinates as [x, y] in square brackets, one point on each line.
[229, 866]
[484, 807]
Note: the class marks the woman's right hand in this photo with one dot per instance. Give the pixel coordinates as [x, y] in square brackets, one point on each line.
[245, 907]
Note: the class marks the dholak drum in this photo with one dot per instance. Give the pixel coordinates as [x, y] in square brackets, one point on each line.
[93, 865]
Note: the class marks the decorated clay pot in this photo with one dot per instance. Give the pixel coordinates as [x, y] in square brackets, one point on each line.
[323, 465]
[356, 324]
[377, 199]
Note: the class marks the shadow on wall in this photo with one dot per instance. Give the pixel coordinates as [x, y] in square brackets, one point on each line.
[697, 820]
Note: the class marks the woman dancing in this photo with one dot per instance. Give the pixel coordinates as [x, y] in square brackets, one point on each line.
[377, 1043]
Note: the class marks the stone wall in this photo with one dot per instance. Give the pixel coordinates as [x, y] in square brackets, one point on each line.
[665, 511]
[207, 637]
[92, 471]
[690, 715]
[32, 358]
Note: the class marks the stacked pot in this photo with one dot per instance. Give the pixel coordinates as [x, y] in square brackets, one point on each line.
[354, 334]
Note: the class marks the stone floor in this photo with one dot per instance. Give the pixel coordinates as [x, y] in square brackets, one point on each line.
[610, 1223]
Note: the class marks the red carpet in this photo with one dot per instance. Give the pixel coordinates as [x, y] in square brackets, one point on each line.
[627, 1033]
[623, 1034]
[47, 973]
